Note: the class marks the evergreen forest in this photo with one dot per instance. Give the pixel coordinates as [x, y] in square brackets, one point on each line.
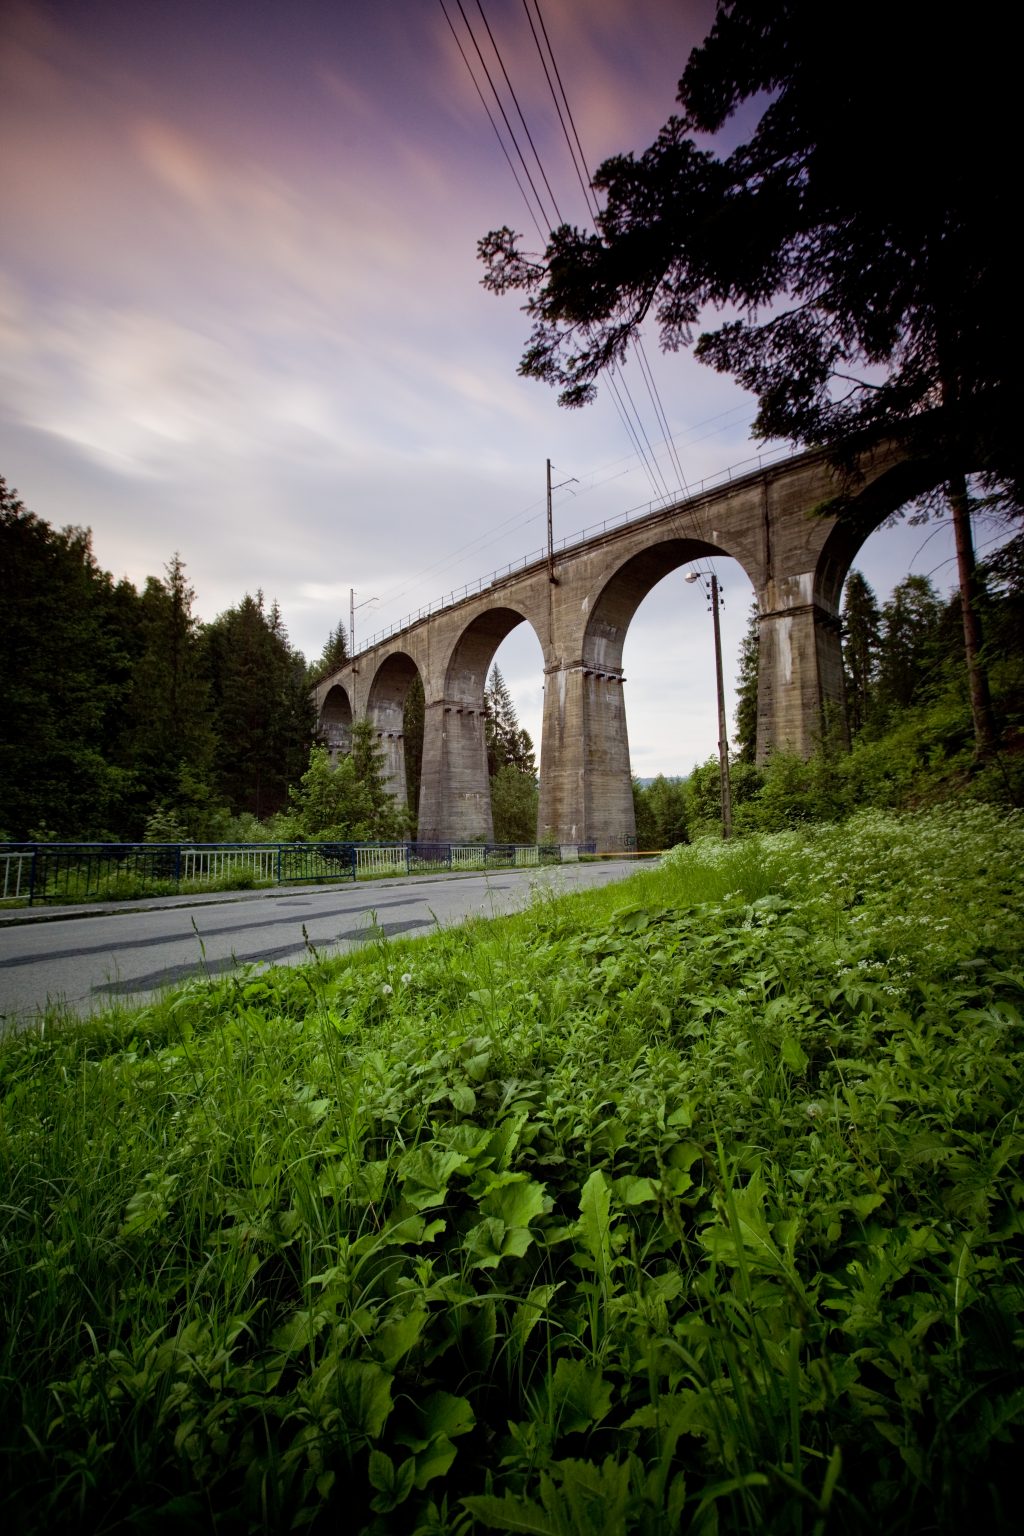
[125, 717]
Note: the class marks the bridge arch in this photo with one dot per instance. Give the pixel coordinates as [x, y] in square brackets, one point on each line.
[455, 802]
[612, 608]
[862, 515]
[474, 651]
[385, 710]
[585, 730]
[334, 727]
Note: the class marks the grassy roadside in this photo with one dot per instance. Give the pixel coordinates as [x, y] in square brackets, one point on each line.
[690, 1203]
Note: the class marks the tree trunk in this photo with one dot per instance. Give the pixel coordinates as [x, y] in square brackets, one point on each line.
[985, 734]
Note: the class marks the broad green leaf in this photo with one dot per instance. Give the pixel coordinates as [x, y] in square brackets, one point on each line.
[434, 1461]
[298, 1332]
[363, 1396]
[593, 1226]
[334, 1181]
[576, 1396]
[516, 1203]
[635, 1191]
[445, 1414]
[398, 1335]
[527, 1315]
[863, 1205]
[512, 1514]
[491, 1241]
[476, 1067]
[794, 1055]
[394, 1483]
[369, 1180]
[505, 1138]
[463, 1098]
[425, 1171]
[412, 1229]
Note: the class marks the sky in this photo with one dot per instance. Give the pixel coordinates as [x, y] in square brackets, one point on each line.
[241, 317]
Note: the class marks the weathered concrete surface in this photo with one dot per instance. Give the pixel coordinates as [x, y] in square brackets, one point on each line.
[796, 558]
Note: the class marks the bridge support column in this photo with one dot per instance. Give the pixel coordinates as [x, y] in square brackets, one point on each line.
[392, 744]
[586, 792]
[800, 670]
[455, 791]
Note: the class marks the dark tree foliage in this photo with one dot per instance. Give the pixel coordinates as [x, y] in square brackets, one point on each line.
[862, 231]
[746, 691]
[413, 720]
[912, 651]
[511, 766]
[643, 815]
[861, 239]
[507, 743]
[335, 653]
[168, 741]
[64, 672]
[349, 799]
[261, 710]
[861, 641]
[120, 712]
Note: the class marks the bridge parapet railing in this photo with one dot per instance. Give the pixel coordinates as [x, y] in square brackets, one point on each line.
[74, 872]
[691, 493]
[15, 875]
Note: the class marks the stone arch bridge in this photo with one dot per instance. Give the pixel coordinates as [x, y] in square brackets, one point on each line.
[774, 522]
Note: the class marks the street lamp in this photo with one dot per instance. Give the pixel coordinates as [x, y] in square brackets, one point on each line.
[711, 588]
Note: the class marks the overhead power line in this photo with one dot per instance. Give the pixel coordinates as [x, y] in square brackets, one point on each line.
[619, 389]
[490, 119]
[515, 98]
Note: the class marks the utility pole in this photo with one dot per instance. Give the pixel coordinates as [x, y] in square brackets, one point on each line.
[551, 527]
[723, 743]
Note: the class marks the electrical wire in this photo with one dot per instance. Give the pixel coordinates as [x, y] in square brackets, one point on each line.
[592, 202]
[515, 98]
[589, 200]
[622, 396]
[579, 164]
[497, 131]
[504, 116]
[624, 418]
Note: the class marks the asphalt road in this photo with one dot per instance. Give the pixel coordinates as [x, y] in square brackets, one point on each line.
[82, 959]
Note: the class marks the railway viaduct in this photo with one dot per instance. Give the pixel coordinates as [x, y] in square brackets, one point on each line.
[778, 522]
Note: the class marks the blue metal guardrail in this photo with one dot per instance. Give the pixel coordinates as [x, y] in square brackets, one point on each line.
[39, 872]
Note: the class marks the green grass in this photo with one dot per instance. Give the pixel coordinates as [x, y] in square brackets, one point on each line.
[694, 1203]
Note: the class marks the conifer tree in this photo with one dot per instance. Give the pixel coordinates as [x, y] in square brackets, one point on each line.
[63, 673]
[861, 641]
[746, 691]
[261, 708]
[334, 654]
[507, 742]
[348, 801]
[911, 652]
[511, 765]
[170, 739]
[413, 720]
